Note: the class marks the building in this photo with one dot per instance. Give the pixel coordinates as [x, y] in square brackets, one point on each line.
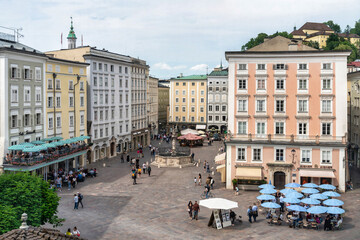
[140, 133]
[21, 95]
[320, 32]
[152, 96]
[188, 101]
[217, 100]
[163, 108]
[286, 117]
[354, 66]
[108, 98]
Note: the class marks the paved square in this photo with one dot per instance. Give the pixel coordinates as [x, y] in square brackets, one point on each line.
[156, 207]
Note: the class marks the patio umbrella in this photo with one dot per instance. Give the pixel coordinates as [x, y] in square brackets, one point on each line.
[218, 203]
[310, 190]
[270, 205]
[310, 201]
[190, 137]
[333, 202]
[266, 186]
[292, 185]
[31, 149]
[27, 144]
[317, 210]
[287, 190]
[268, 191]
[297, 208]
[58, 143]
[319, 196]
[291, 200]
[335, 210]
[310, 185]
[49, 145]
[265, 197]
[294, 195]
[16, 147]
[331, 194]
[38, 142]
[327, 187]
[41, 147]
[46, 139]
[56, 138]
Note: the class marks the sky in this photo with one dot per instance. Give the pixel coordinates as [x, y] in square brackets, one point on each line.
[172, 36]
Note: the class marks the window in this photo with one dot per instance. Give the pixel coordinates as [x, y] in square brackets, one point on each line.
[241, 154]
[217, 118]
[201, 92]
[58, 122]
[210, 118]
[279, 155]
[100, 66]
[224, 118]
[106, 81]
[326, 157]
[71, 121]
[326, 128]
[101, 133]
[100, 81]
[113, 131]
[70, 70]
[96, 98]
[112, 98]
[28, 73]
[260, 128]
[305, 156]
[202, 100]
[94, 65]
[15, 72]
[126, 70]
[111, 68]
[184, 83]
[106, 132]
[81, 101]
[177, 84]
[192, 92]
[280, 67]
[302, 128]
[201, 109]
[101, 99]
[71, 101]
[193, 100]
[280, 84]
[261, 67]
[183, 109]
[326, 106]
[326, 84]
[260, 84]
[120, 69]
[71, 85]
[223, 108]
[302, 66]
[202, 84]
[193, 84]
[193, 119]
[176, 109]
[242, 127]
[279, 128]
[217, 108]
[58, 102]
[50, 102]
[38, 95]
[106, 98]
[217, 89]
[242, 107]
[50, 83]
[326, 66]
[57, 84]
[51, 123]
[302, 84]
[14, 94]
[95, 81]
[260, 105]
[183, 92]
[183, 100]
[242, 84]
[37, 74]
[242, 66]
[27, 95]
[193, 109]
[177, 100]
[81, 86]
[280, 105]
[201, 119]
[38, 118]
[27, 120]
[183, 119]
[95, 115]
[210, 108]
[303, 105]
[106, 114]
[257, 154]
[13, 121]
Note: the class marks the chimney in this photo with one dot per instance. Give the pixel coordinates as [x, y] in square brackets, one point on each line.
[181, 75]
[294, 28]
[293, 46]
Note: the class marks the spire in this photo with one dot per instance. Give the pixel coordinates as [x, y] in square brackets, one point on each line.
[221, 67]
[71, 36]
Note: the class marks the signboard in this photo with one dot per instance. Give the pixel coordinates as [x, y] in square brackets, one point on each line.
[217, 219]
[226, 218]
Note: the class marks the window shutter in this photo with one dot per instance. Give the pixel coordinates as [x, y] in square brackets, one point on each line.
[18, 73]
[10, 121]
[274, 66]
[31, 74]
[24, 120]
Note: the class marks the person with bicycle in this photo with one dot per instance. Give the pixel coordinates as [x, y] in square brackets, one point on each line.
[207, 191]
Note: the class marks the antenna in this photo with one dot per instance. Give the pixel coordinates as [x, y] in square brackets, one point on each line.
[207, 69]
[17, 33]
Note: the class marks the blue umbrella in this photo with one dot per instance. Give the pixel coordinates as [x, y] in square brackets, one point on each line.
[287, 190]
[310, 201]
[327, 187]
[317, 210]
[333, 202]
[294, 195]
[293, 185]
[331, 194]
[16, 147]
[297, 208]
[270, 205]
[319, 196]
[291, 200]
[265, 197]
[266, 186]
[268, 191]
[310, 185]
[335, 210]
[310, 190]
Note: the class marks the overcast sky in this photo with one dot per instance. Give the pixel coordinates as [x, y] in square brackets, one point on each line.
[173, 36]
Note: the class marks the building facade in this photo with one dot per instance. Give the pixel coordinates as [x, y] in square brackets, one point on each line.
[152, 98]
[188, 101]
[163, 108]
[287, 120]
[217, 100]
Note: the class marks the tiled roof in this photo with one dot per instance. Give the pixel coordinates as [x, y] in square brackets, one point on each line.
[36, 233]
[223, 72]
[191, 77]
[298, 33]
[315, 26]
[352, 35]
[280, 43]
[356, 64]
[17, 45]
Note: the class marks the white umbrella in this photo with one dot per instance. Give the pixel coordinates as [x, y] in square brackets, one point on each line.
[218, 203]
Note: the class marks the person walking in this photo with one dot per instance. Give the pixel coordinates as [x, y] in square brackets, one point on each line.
[207, 191]
[212, 181]
[76, 201]
[195, 181]
[149, 170]
[281, 199]
[144, 168]
[249, 213]
[254, 211]
[190, 209]
[232, 217]
[205, 166]
[196, 210]
[127, 158]
[199, 179]
[133, 175]
[81, 197]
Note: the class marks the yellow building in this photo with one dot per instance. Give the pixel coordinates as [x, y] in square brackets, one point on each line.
[320, 32]
[163, 108]
[188, 101]
[65, 98]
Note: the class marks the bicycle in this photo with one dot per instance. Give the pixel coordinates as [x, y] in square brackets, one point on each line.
[210, 195]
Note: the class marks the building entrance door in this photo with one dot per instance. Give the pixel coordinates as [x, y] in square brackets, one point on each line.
[279, 180]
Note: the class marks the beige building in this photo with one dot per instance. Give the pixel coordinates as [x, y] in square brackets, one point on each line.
[163, 107]
[152, 104]
[354, 117]
[188, 101]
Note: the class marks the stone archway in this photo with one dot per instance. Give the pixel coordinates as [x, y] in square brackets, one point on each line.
[112, 149]
[286, 168]
[279, 180]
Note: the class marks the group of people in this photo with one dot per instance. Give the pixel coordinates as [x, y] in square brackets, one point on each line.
[60, 178]
[206, 167]
[209, 183]
[74, 232]
[164, 137]
[78, 200]
[252, 213]
[136, 171]
[193, 210]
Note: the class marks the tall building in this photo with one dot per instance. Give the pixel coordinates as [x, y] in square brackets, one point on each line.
[188, 101]
[163, 108]
[287, 120]
[152, 98]
[21, 95]
[217, 100]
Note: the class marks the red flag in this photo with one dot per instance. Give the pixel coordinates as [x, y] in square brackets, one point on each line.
[61, 39]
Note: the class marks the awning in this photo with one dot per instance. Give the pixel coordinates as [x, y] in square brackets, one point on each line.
[253, 173]
[198, 126]
[220, 159]
[317, 173]
[221, 169]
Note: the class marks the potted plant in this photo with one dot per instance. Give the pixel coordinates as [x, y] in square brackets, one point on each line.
[234, 182]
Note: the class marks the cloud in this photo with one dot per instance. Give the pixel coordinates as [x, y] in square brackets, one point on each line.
[165, 66]
[199, 67]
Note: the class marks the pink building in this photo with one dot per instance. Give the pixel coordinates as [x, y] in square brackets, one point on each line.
[287, 115]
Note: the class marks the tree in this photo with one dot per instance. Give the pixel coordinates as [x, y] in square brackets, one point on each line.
[333, 26]
[23, 192]
[347, 30]
[336, 43]
[260, 39]
[356, 29]
[312, 44]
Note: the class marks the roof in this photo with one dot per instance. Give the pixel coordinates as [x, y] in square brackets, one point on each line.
[71, 32]
[355, 64]
[36, 233]
[65, 60]
[162, 86]
[280, 43]
[298, 33]
[223, 72]
[191, 77]
[345, 35]
[315, 26]
[17, 45]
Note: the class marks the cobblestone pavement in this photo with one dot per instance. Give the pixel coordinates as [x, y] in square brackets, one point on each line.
[156, 207]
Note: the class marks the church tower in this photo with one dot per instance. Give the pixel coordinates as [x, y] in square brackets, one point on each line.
[71, 37]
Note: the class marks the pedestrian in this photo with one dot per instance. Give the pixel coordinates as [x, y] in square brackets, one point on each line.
[232, 217]
[207, 191]
[133, 175]
[327, 223]
[144, 168]
[139, 172]
[249, 213]
[122, 158]
[76, 232]
[58, 183]
[73, 182]
[127, 158]
[76, 201]
[81, 197]
[212, 181]
[69, 178]
[190, 209]
[254, 211]
[199, 179]
[149, 170]
[196, 210]
[205, 166]
[68, 233]
[195, 181]
[281, 199]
